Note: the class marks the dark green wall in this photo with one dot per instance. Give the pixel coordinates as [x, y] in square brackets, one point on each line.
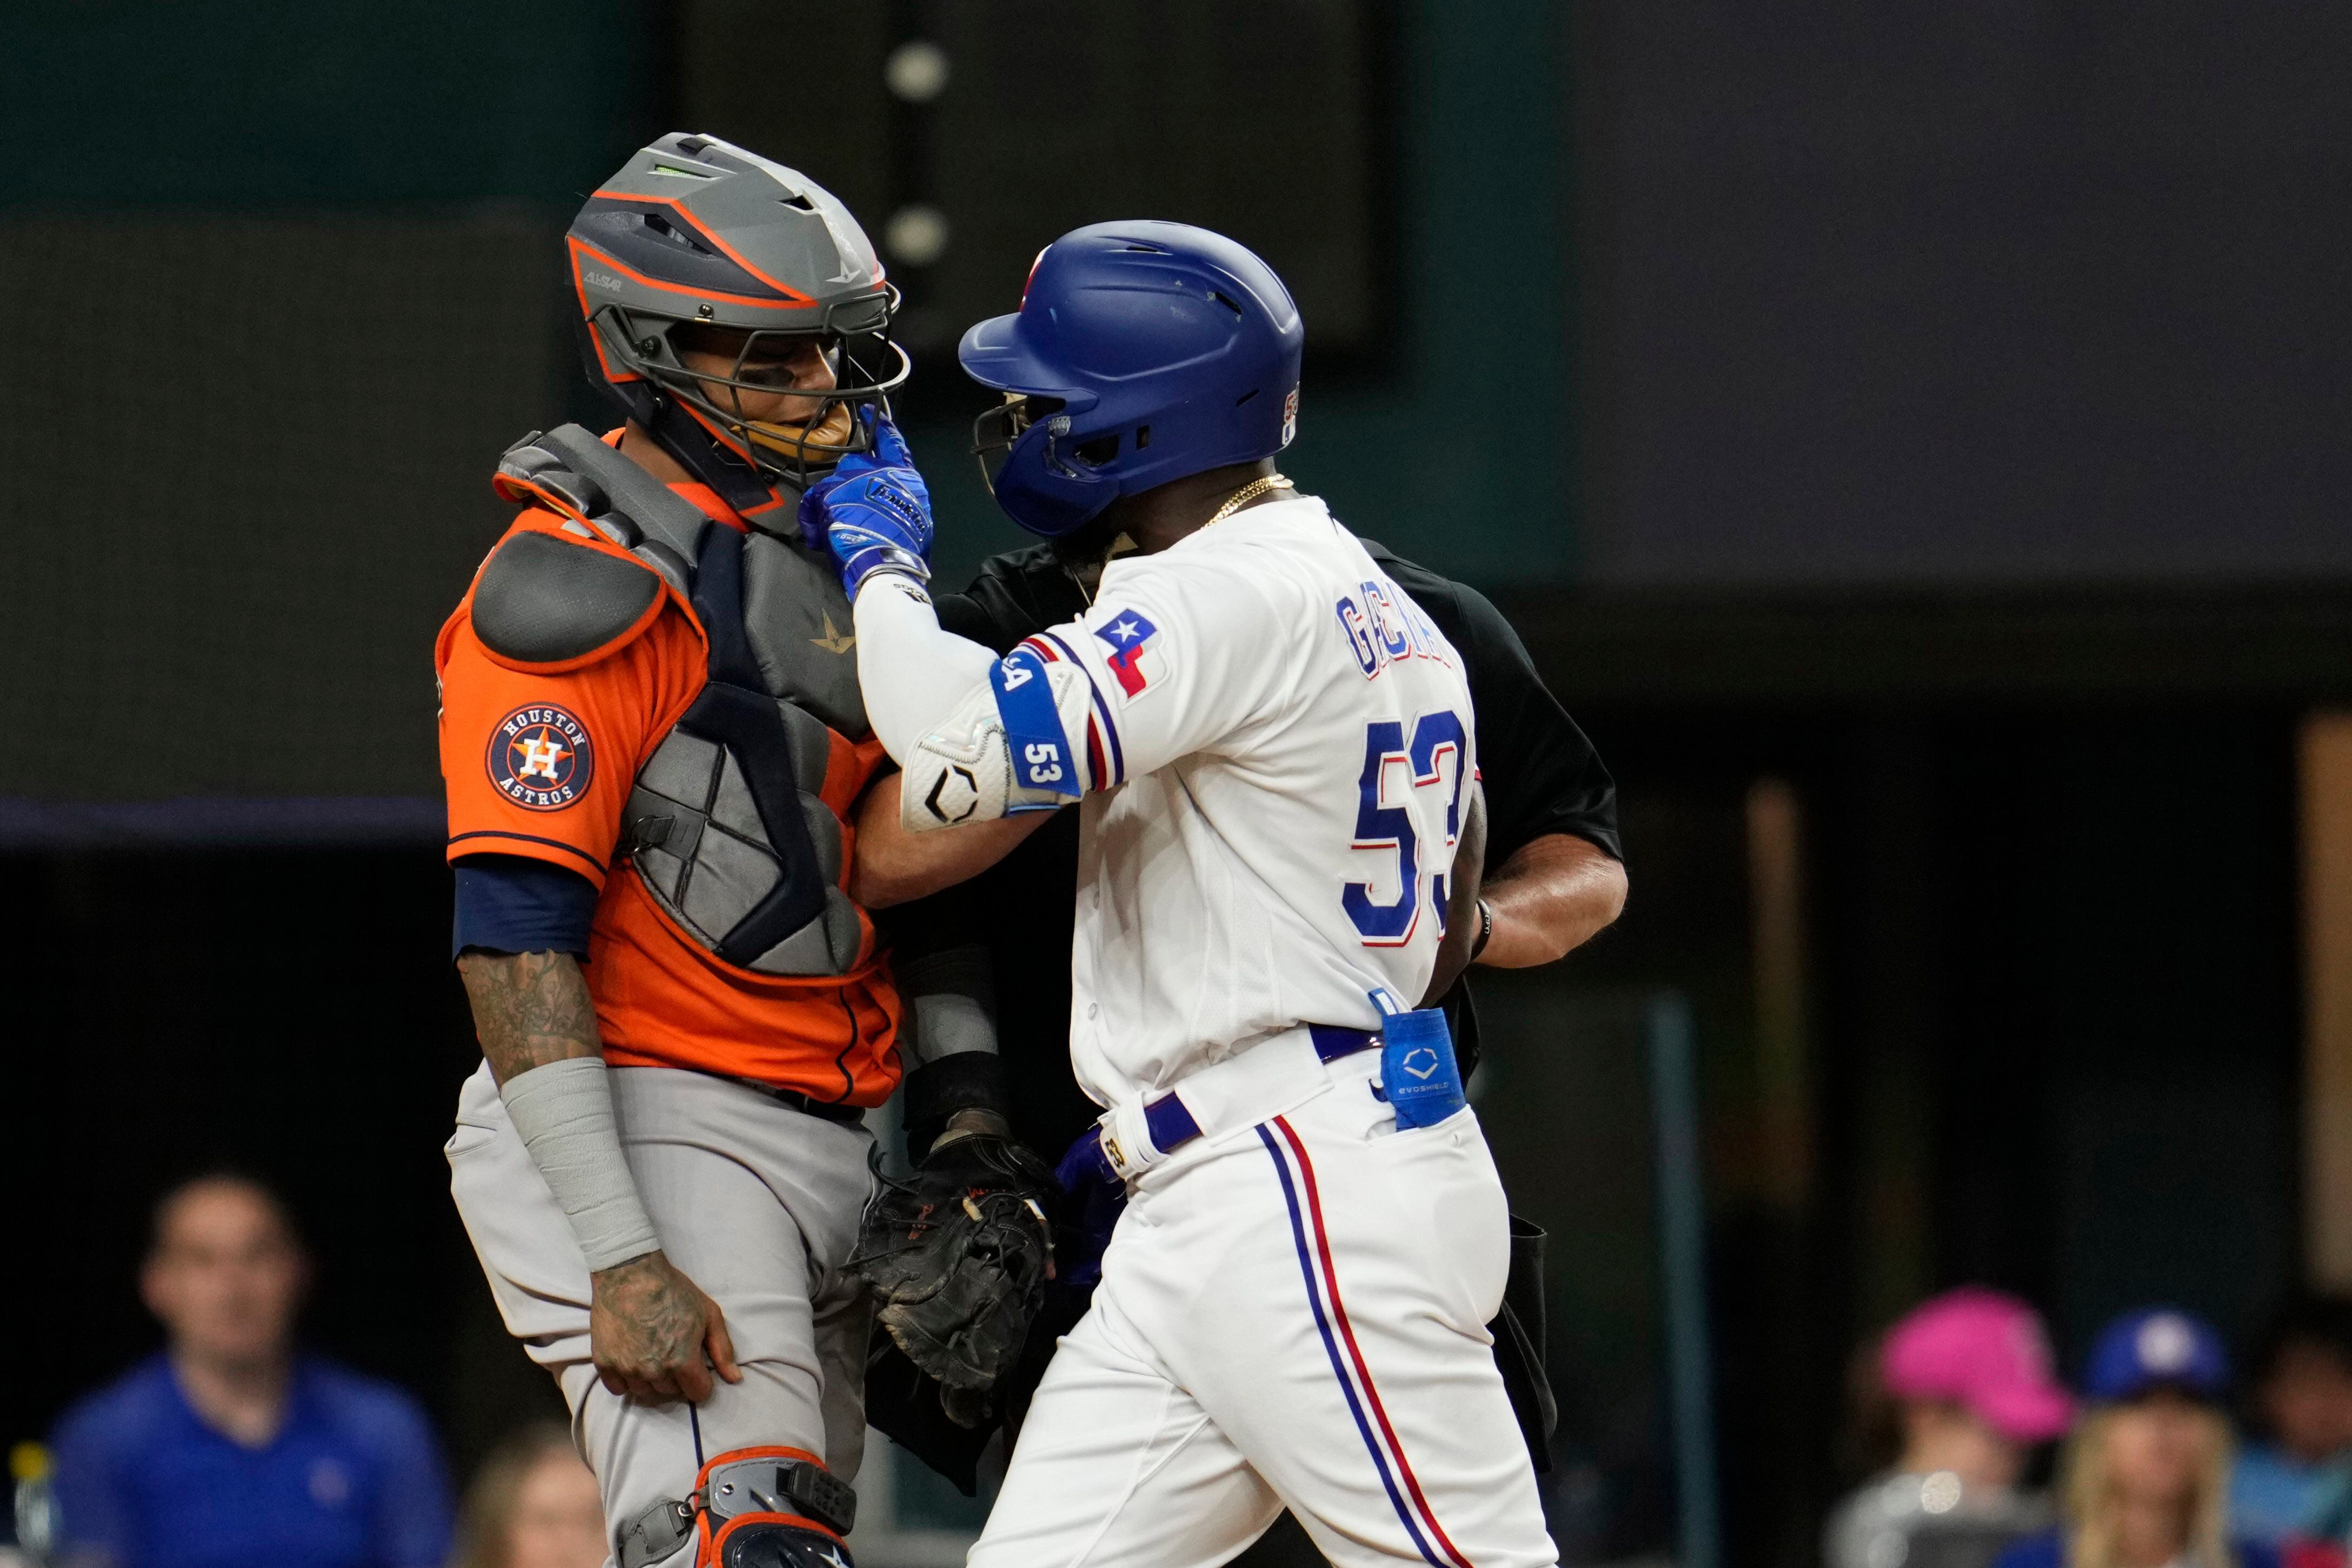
[1457, 453]
[303, 103]
[290, 280]
[1461, 460]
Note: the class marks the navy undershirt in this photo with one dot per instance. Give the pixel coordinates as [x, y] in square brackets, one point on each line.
[510, 903]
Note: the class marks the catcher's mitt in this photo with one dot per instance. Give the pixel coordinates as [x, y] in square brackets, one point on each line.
[957, 1257]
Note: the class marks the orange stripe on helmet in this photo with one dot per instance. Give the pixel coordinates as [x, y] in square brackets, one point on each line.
[595, 334]
[732, 254]
[580, 245]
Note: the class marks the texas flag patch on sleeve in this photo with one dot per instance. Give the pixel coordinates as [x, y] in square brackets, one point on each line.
[1134, 661]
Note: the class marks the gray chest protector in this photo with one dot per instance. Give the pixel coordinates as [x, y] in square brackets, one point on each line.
[725, 824]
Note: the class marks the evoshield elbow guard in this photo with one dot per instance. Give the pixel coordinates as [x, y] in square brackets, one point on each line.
[1003, 748]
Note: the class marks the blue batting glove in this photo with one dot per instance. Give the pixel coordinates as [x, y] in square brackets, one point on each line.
[873, 512]
[878, 523]
[887, 448]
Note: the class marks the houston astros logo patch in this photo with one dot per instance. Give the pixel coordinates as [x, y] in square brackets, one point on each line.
[541, 757]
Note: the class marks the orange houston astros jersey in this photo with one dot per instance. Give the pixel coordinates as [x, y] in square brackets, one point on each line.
[537, 760]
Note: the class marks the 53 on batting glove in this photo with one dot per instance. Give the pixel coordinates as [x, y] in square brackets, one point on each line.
[873, 512]
[957, 1257]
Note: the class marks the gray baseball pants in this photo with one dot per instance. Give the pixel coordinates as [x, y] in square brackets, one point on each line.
[758, 1204]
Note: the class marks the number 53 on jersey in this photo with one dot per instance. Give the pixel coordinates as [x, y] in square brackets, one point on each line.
[1408, 771]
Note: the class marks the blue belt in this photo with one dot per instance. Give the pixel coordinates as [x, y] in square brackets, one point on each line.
[1171, 1126]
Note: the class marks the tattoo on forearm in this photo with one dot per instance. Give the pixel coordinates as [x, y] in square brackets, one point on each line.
[529, 1009]
[656, 1314]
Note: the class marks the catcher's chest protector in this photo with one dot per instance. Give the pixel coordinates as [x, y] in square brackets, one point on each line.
[725, 824]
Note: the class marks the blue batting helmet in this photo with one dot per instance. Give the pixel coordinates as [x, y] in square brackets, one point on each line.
[1142, 352]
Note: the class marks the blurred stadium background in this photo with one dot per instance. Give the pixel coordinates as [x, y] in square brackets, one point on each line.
[1913, 440]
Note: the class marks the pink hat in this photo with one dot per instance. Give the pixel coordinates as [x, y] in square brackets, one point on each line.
[1984, 1350]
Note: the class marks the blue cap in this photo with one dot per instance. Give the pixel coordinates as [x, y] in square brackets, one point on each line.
[2157, 1347]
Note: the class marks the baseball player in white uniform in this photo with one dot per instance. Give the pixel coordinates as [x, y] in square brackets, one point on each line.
[1272, 753]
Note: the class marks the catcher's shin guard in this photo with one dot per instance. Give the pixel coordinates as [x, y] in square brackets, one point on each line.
[751, 1508]
[772, 1508]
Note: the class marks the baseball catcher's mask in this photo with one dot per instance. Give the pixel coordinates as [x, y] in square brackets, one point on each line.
[647, 345]
[696, 233]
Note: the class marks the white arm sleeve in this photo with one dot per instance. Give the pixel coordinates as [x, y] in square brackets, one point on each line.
[1175, 658]
[930, 700]
[913, 673]
[564, 1112]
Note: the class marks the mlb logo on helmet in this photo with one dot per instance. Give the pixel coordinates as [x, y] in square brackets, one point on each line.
[1290, 417]
[1130, 636]
[541, 757]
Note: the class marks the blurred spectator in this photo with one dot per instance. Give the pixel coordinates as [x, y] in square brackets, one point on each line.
[2296, 1482]
[533, 1504]
[229, 1447]
[2145, 1480]
[1969, 1377]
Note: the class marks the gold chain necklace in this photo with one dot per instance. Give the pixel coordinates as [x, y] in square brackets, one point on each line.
[1248, 493]
[1240, 499]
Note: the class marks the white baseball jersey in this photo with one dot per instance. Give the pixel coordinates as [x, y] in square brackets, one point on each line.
[1275, 749]
[1279, 745]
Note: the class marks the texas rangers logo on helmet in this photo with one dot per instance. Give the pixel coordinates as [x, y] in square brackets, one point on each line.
[541, 757]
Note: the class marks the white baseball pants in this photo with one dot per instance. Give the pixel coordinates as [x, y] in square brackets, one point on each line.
[1290, 1315]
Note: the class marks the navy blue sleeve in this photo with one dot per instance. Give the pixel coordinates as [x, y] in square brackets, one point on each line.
[508, 903]
[92, 1489]
[413, 1526]
[2044, 1548]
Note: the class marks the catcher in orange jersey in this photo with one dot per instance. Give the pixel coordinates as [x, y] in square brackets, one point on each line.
[653, 741]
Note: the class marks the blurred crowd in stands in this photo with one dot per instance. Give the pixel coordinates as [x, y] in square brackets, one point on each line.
[2163, 1459]
[233, 1444]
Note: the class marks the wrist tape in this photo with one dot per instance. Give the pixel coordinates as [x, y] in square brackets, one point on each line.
[564, 1113]
[967, 1080]
[950, 992]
